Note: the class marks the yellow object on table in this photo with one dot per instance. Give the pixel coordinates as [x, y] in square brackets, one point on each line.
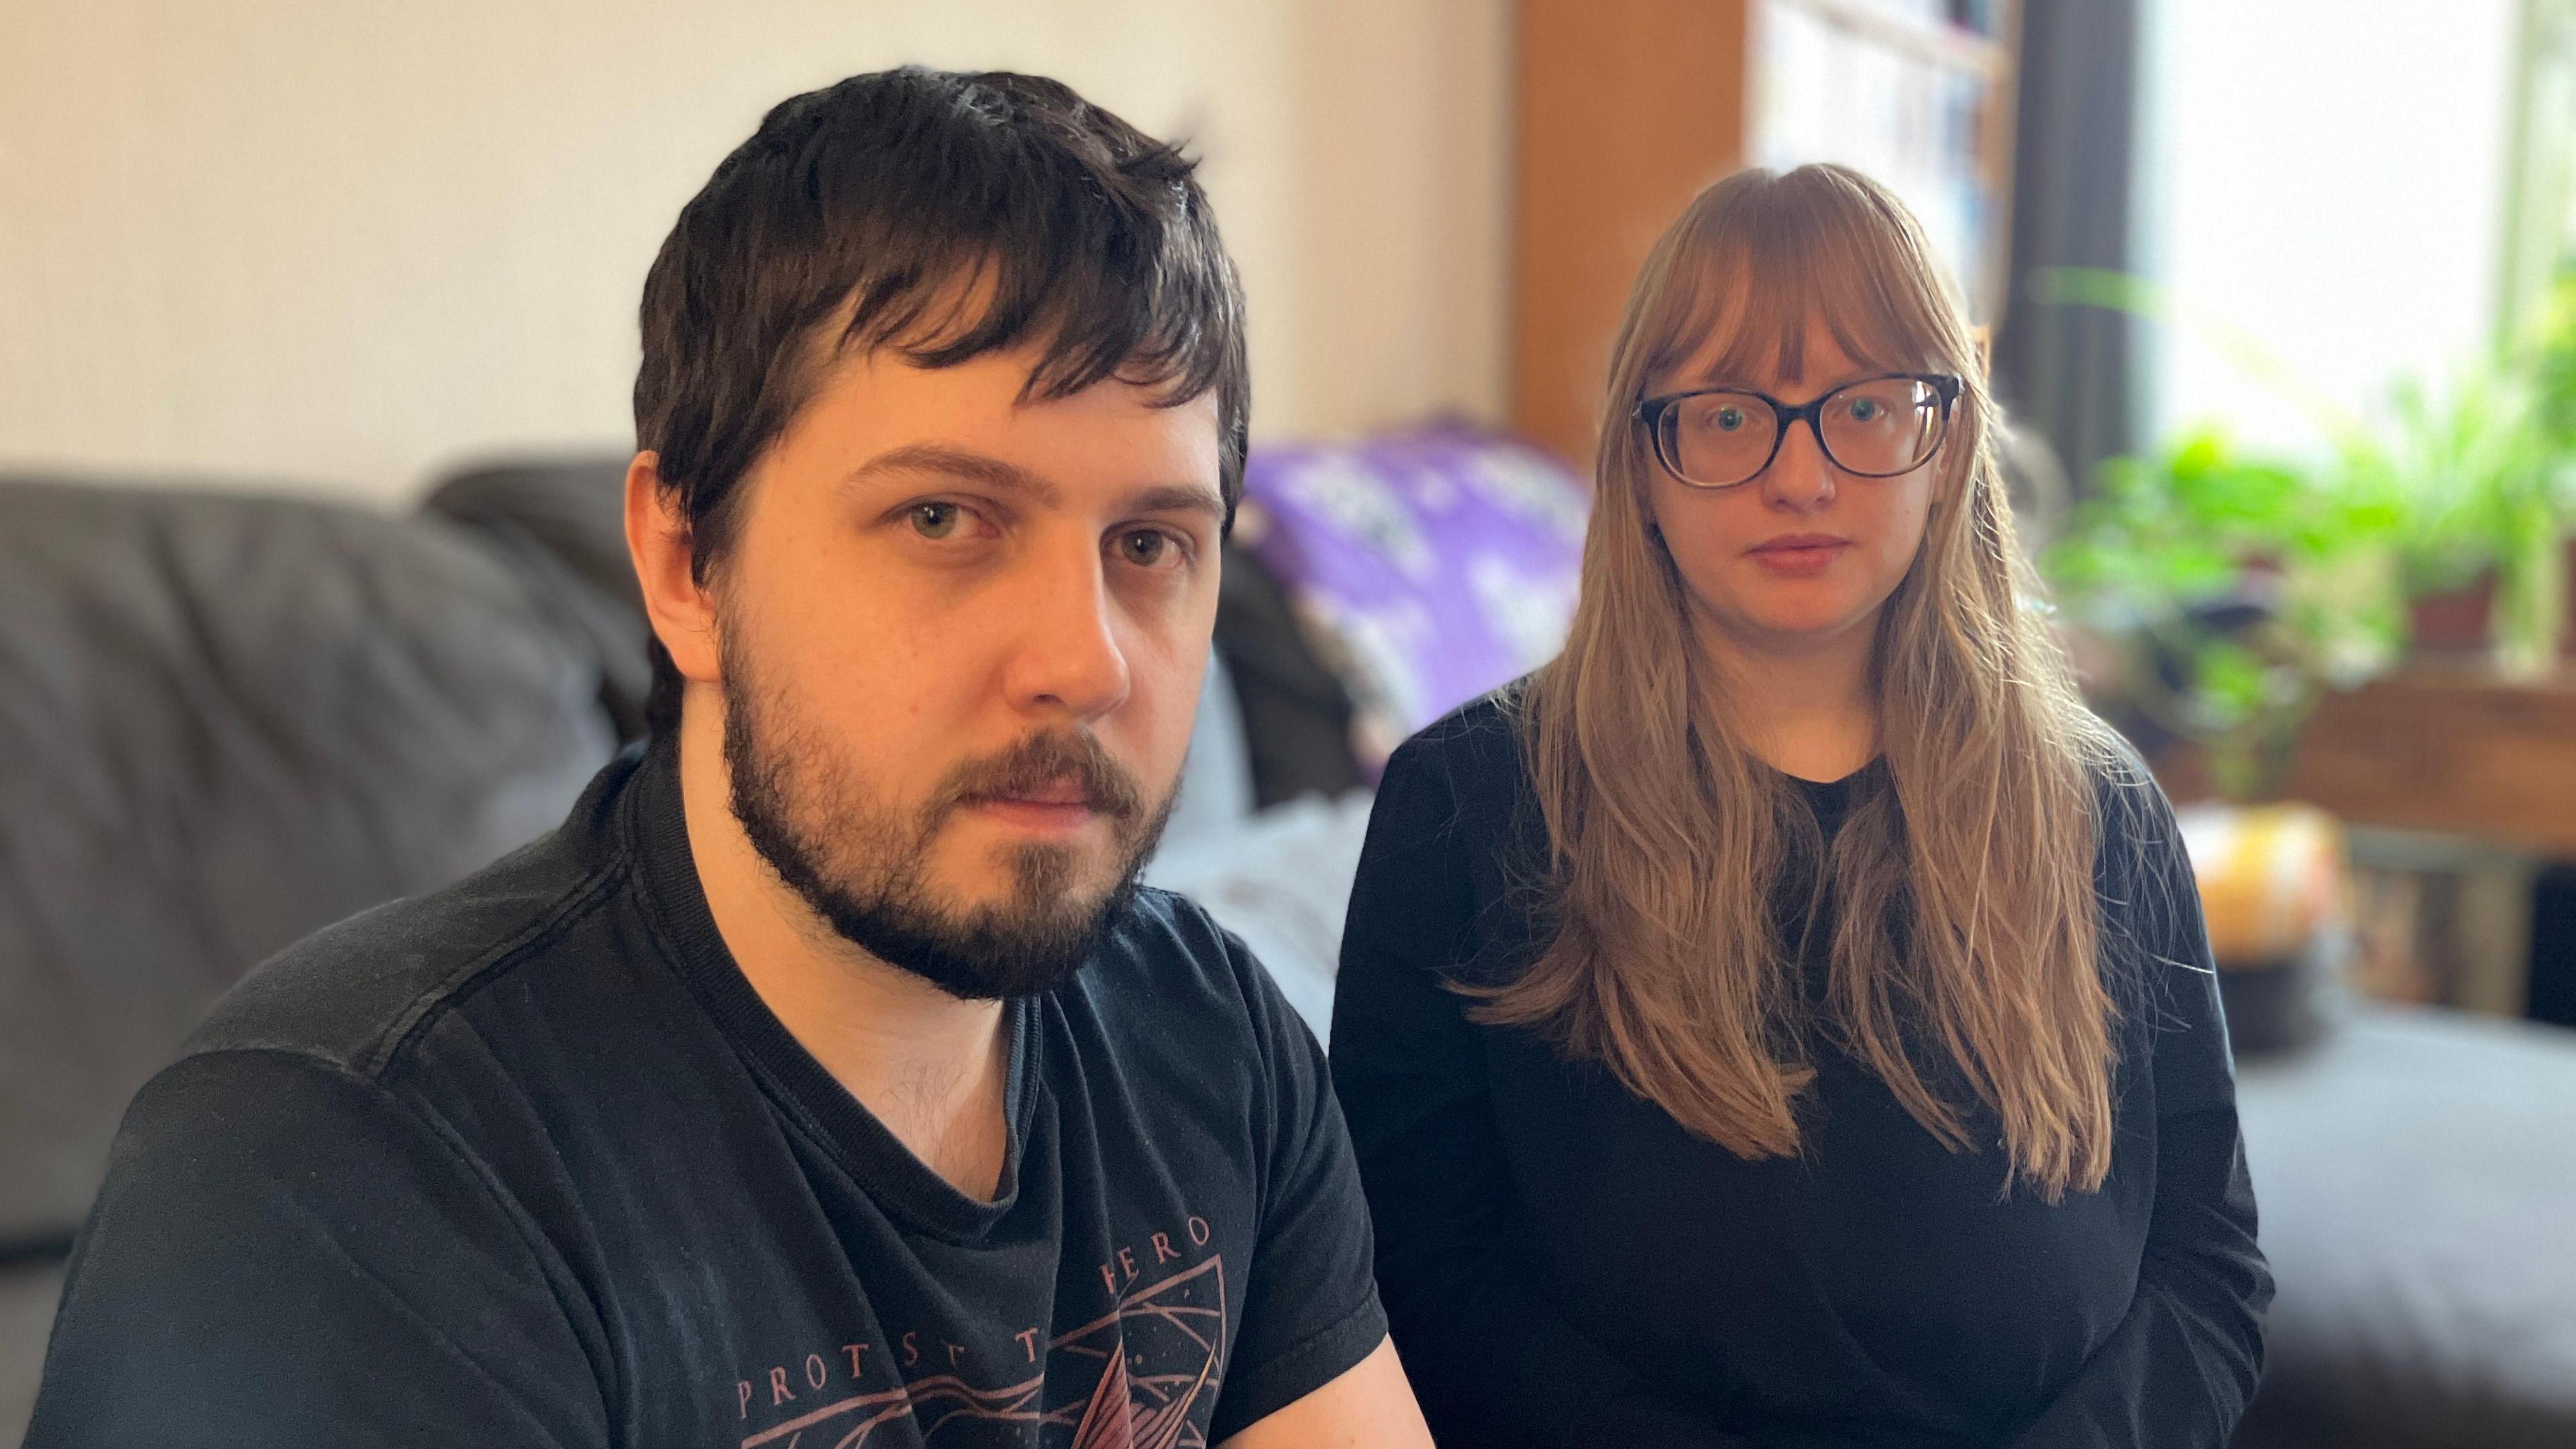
[2272, 878]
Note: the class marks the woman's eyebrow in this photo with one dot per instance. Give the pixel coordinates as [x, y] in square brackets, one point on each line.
[1709, 383]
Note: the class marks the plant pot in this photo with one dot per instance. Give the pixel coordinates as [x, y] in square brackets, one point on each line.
[2455, 619]
[2461, 620]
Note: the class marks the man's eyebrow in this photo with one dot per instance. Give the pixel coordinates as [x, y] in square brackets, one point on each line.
[1179, 498]
[968, 466]
[962, 464]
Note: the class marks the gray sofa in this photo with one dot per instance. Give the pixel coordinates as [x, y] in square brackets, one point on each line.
[2416, 1172]
[227, 720]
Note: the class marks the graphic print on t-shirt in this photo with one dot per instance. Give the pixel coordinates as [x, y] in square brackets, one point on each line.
[1158, 1354]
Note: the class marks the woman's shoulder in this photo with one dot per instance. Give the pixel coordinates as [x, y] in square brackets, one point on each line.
[1453, 835]
[2143, 875]
[1472, 753]
[2137, 819]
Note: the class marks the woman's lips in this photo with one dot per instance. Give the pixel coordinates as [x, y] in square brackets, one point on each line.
[1800, 555]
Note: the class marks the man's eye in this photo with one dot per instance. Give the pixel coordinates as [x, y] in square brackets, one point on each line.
[936, 520]
[1146, 547]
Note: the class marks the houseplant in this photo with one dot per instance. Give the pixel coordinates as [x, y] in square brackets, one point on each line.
[2232, 592]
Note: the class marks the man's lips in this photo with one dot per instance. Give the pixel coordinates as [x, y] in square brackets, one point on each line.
[1057, 807]
[1053, 792]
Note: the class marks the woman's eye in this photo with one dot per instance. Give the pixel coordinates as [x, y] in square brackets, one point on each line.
[1146, 547]
[1864, 410]
[936, 520]
[1728, 419]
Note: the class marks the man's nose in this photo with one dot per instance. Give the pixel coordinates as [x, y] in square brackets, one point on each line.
[1067, 656]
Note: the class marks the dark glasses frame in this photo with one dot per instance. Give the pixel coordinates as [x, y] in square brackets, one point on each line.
[1651, 412]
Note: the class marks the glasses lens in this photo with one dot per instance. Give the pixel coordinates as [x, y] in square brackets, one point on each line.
[1883, 427]
[1718, 438]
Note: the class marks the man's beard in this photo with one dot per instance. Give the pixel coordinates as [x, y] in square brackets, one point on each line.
[864, 868]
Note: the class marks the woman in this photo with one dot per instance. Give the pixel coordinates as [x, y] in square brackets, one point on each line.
[1785, 1018]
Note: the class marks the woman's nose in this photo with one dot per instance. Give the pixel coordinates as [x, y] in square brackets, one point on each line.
[1800, 476]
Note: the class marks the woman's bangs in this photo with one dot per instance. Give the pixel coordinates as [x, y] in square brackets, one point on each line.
[1742, 299]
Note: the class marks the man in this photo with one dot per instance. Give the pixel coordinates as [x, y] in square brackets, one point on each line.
[827, 1079]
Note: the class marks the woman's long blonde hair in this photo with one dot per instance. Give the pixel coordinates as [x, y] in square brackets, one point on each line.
[1964, 966]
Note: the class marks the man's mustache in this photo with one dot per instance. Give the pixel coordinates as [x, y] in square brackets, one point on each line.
[1037, 762]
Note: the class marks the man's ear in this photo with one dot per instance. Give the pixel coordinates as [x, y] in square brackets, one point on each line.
[659, 542]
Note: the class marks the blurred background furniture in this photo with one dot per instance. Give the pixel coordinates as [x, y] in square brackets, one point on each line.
[2455, 750]
[2457, 788]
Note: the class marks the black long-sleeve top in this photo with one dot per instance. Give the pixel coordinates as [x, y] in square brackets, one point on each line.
[1563, 1264]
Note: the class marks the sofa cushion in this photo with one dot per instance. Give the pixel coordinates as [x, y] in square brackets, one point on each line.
[562, 522]
[1296, 710]
[1430, 566]
[229, 721]
[29, 1292]
[2415, 1174]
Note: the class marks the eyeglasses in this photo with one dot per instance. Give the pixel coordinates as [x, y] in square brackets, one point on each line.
[1877, 427]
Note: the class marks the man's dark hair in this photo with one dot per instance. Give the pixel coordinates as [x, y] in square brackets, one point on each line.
[944, 216]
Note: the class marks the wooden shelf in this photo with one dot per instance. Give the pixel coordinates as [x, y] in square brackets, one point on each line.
[1946, 45]
[2453, 751]
[1627, 109]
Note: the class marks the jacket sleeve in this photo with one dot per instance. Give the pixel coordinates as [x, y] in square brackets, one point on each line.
[2179, 1368]
[1492, 1360]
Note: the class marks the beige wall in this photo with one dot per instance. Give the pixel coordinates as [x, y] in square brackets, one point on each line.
[336, 244]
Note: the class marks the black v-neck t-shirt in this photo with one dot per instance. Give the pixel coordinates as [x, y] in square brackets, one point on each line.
[1565, 1265]
[528, 1162]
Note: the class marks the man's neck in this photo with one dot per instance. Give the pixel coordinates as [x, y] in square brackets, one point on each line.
[1805, 707]
[927, 1065]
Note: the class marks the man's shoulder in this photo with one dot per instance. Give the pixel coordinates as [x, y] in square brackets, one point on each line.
[1166, 944]
[353, 993]
[1172, 971]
